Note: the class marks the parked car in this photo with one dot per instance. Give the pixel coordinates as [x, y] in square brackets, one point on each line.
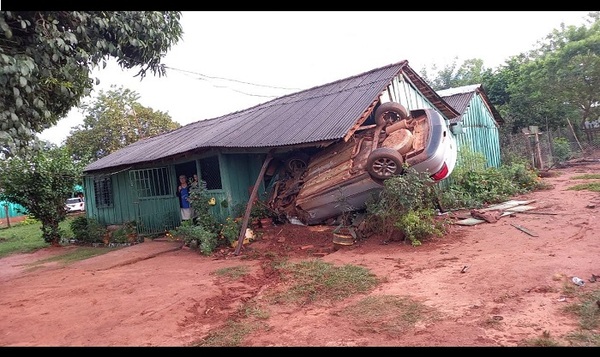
[342, 177]
[75, 204]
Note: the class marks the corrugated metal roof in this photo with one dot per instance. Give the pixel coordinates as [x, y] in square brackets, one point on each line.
[460, 97]
[318, 114]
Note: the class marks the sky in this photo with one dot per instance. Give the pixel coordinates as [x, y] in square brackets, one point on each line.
[228, 61]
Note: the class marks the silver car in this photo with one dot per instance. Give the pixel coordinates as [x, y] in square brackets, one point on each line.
[344, 176]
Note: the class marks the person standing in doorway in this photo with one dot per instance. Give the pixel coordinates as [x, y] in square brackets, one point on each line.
[183, 192]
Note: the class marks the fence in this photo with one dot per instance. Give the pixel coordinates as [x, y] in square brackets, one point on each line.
[547, 149]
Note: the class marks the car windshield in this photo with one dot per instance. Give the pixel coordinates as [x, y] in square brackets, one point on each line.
[73, 200]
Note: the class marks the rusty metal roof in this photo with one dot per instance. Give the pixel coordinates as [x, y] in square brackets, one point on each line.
[460, 97]
[316, 115]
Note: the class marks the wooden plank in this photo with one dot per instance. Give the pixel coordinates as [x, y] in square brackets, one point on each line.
[507, 204]
[525, 230]
[521, 208]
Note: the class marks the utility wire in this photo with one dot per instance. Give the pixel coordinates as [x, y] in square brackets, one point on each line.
[205, 77]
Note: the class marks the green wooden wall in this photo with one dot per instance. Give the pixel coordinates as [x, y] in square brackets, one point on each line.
[480, 132]
[160, 213]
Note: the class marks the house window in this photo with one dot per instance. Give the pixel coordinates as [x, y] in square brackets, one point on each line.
[103, 192]
[210, 172]
[150, 182]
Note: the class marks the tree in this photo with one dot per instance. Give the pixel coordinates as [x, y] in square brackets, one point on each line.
[470, 72]
[47, 58]
[41, 182]
[558, 79]
[114, 120]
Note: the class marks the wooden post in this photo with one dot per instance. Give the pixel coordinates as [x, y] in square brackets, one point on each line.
[574, 135]
[7, 217]
[538, 151]
[251, 202]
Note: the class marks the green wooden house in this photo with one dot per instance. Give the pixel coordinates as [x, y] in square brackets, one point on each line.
[478, 121]
[138, 183]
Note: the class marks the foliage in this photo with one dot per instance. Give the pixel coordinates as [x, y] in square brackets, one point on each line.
[114, 120]
[561, 149]
[471, 71]
[557, 80]
[41, 182]
[199, 200]
[230, 230]
[412, 191]
[47, 57]
[197, 237]
[420, 224]
[88, 230]
[472, 184]
[124, 234]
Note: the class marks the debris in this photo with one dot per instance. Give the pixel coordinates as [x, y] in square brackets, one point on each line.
[488, 216]
[525, 230]
[464, 269]
[562, 299]
[578, 281]
[591, 205]
[594, 278]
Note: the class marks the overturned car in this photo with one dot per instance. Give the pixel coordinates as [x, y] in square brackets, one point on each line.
[316, 187]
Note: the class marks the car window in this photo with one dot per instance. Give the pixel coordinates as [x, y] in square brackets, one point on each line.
[73, 200]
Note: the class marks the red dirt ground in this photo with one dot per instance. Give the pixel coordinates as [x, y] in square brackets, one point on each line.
[492, 284]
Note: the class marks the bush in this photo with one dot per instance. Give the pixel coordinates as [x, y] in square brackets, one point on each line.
[197, 237]
[403, 201]
[88, 230]
[561, 149]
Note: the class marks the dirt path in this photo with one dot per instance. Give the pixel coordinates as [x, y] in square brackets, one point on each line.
[512, 289]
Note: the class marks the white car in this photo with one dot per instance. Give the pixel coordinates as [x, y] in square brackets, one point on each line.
[75, 204]
[343, 176]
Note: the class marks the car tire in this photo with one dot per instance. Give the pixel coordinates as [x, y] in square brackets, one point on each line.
[297, 163]
[390, 112]
[384, 163]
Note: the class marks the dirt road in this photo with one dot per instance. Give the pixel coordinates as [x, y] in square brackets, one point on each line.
[492, 284]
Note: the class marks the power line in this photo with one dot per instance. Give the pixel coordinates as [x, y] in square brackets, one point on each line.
[207, 77]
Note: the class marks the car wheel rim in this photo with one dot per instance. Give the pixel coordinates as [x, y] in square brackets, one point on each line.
[385, 167]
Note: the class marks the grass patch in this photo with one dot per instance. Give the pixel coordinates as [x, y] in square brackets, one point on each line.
[388, 314]
[231, 272]
[26, 236]
[545, 340]
[315, 280]
[586, 177]
[588, 186]
[232, 334]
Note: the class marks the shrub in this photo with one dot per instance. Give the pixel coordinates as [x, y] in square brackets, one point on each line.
[561, 149]
[403, 199]
[197, 237]
[88, 230]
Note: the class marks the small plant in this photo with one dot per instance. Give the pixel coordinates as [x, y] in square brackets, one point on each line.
[197, 237]
[561, 149]
[230, 230]
[88, 230]
[420, 224]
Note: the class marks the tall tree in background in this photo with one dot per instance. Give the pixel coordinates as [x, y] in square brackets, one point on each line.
[114, 120]
[558, 79]
[47, 57]
[471, 71]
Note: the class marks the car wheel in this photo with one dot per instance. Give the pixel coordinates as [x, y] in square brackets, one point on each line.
[384, 163]
[296, 164]
[390, 112]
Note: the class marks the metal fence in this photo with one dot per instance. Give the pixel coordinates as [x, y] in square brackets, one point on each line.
[548, 149]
